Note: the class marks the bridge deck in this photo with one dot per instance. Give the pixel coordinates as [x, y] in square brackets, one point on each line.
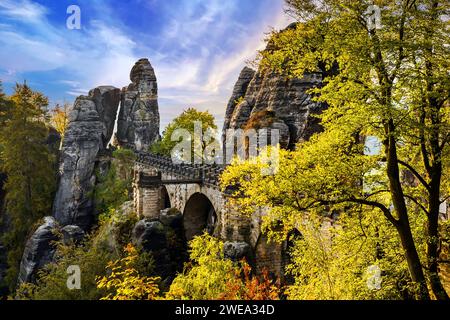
[190, 173]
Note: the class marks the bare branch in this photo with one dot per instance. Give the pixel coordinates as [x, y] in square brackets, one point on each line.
[382, 207]
[445, 199]
[401, 32]
[423, 147]
[376, 192]
[418, 203]
[416, 174]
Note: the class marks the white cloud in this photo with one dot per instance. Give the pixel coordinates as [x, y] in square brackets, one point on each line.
[206, 81]
[23, 9]
[192, 65]
[99, 54]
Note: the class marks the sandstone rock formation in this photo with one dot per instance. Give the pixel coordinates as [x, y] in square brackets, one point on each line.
[138, 121]
[239, 90]
[39, 250]
[72, 234]
[274, 101]
[91, 124]
[237, 251]
[85, 152]
[163, 237]
[266, 100]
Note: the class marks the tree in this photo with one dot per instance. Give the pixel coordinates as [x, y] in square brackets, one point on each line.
[60, 118]
[51, 282]
[114, 188]
[210, 276]
[389, 82]
[28, 165]
[93, 255]
[186, 121]
[358, 257]
[126, 282]
[248, 286]
[5, 104]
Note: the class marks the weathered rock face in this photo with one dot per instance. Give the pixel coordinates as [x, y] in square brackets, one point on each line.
[138, 121]
[239, 90]
[39, 250]
[287, 101]
[72, 234]
[237, 251]
[150, 235]
[91, 123]
[172, 218]
[164, 238]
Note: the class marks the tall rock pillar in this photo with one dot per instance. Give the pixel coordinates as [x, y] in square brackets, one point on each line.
[138, 121]
[91, 124]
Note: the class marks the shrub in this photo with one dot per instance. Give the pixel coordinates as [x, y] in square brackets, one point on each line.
[210, 276]
[124, 282]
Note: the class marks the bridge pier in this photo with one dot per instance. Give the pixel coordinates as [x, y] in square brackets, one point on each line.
[147, 199]
[194, 191]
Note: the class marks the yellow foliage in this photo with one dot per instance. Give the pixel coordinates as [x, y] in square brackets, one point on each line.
[210, 276]
[60, 118]
[125, 282]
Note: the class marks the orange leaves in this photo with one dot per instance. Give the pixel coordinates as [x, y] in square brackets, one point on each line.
[251, 287]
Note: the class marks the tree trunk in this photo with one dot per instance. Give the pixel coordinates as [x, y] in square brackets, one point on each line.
[413, 260]
[433, 233]
[403, 226]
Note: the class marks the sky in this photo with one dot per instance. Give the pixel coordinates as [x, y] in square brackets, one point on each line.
[197, 47]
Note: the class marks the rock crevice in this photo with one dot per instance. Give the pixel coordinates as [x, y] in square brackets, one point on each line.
[91, 124]
[90, 128]
[286, 100]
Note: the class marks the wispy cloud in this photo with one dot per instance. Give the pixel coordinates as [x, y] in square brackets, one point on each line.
[99, 54]
[197, 50]
[22, 9]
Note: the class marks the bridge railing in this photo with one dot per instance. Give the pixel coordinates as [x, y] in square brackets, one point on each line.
[208, 173]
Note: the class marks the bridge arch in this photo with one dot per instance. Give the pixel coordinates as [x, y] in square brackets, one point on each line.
[165, 198]
[199, 215]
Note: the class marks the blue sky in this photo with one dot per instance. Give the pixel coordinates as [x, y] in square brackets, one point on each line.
[197, 48]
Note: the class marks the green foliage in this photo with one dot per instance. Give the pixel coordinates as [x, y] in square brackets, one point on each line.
[114, 188]
[92, 256]
[28, 164]
[238, 101]
[116, 226]
[209, 273]
[210, 276]
[333, 261]
[52, 280]
[183, 121]
[5, 105]
[391, 83]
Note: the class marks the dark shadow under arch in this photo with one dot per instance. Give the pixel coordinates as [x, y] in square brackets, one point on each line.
[199, 215]
[165, 198]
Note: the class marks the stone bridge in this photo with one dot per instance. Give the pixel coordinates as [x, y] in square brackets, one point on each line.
[194, 190]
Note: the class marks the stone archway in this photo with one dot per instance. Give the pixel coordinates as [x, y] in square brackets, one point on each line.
[165, 198]
[199, 215]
